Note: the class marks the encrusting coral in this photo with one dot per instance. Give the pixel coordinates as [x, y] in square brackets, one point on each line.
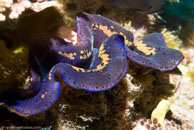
[183, 115]
[153, 124]
[12, 9]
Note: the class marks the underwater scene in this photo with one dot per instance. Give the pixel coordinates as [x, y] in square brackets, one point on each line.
[96, 64]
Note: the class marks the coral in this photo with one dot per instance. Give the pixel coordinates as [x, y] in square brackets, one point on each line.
[148, 124]
[2, 17]
[171, 125]
[39, 6]
[190, 73]
[160, 111]
[182, 101]
[13, 9]
[138, 33]
[189, 41]
[172, 40]
[184, 93]
[18, 8]
[183, 115]
[3, 5]
[105, 110]
[184, 85]
[155, 87]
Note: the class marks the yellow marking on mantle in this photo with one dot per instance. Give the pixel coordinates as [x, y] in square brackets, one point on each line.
[81, 52]
[78, 69]
[86, 54]
[50, 73]
[109, 33]
[20, 114]
[70, 55]
[144, 48]
[105, 60]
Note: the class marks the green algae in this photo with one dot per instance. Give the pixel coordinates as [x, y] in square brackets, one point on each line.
[13, 68]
